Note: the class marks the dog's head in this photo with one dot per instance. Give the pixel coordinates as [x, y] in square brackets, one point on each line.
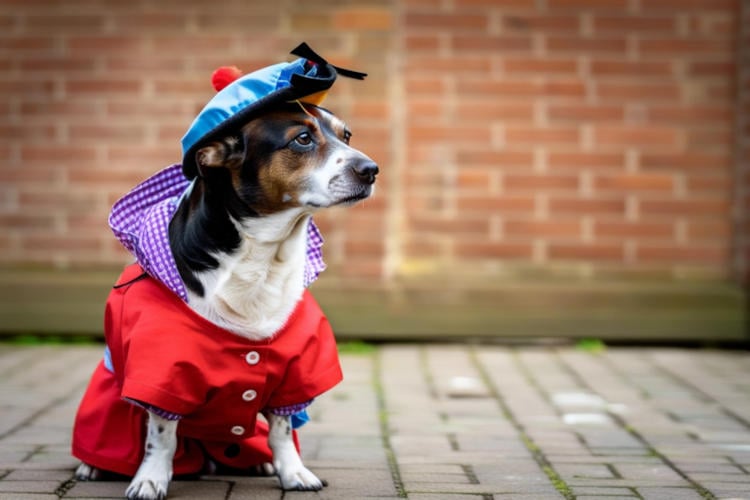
[296, 156]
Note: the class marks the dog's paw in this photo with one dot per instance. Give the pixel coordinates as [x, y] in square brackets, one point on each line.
[300, 479]
[147, 489]
[150, 482]
[86, 472]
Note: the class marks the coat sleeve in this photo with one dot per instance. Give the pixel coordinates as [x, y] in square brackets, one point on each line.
[161, 368]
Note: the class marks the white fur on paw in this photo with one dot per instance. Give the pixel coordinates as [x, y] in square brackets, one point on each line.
[86, 472]
[299, 478]
[150, 483]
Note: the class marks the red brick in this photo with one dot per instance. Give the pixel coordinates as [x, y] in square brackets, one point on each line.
[639, 230]
[521, 88]
[641, 92]
[106, 44]
[68, 108]
[153, 64]
[27, 132]
[484, 249]
[715, 184]
[454, 226]
[363, 19]
[496, 204]
[702, 231]
[493, 110]
[591, 206]
[526, 182]
[635, 24]
[473, 178]
[582, 112]
[692, 161]
[683, 5]
[497, 4]
[449, 21]
[552, 229]
[673, 47]
[643, 136]
[61, 63]
[426, 65]
[480, 135]
[585, 160]
[557, 23]
[425, 86]
[548, 135]
[64, 23]
[714, 255]
[633, 69]
[634, 182]
[203, 44]
[489, 43]
[685, 208]
[50, 242]
[495, 158]
[542, 66]
[577, 45]
[585, 251]
[27, 43]
[159, 21]
[107, 132]
[712, 69]
[28, 222]
[55, 154]
[109, 86]
[38, 87]
[698, 140]
[691, 115]
[421, 42]
[588, 4]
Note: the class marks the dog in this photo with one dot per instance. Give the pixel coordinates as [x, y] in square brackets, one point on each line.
[239, 238]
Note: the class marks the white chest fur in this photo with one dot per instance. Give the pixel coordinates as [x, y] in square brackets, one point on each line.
[254, 290]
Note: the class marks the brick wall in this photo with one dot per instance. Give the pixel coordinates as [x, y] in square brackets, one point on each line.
[742, 160]
[574, 137]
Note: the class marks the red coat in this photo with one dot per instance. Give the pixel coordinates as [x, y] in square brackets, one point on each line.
[167, 356]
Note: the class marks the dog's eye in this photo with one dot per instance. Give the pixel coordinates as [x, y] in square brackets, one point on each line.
[304, 139]
[347, 136]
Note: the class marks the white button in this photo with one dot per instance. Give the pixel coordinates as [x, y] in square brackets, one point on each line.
[238, 430]
[249, 395]
[252, 358]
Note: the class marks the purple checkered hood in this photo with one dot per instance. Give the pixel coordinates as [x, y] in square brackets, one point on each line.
[140, 220]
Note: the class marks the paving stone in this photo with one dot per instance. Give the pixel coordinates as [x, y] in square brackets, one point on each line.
[602, 491]
[658, 493]
[35, 486]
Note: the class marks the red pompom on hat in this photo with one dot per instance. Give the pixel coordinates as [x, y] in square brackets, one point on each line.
[224, 76]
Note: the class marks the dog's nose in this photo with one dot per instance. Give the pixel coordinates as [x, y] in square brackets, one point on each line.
[366, 171]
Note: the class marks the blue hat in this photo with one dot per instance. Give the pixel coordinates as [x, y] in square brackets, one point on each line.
[307, 79]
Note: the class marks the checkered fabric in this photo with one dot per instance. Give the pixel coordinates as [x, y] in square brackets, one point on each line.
[140, 221]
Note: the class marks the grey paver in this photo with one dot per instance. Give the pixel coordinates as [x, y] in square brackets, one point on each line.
[445, 422]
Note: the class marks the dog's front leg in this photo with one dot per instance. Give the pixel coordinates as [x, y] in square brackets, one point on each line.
[287, 462]
[152, 479]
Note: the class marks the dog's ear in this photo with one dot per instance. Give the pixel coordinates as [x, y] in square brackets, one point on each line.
[226, 153]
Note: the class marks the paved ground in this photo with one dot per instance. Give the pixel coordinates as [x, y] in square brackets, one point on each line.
[446, 422]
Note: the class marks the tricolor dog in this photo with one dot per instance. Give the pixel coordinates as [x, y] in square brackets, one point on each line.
[213, 324]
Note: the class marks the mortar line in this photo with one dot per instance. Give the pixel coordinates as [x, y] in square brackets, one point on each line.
[536, 453]
[702, 490]
[390, 454]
